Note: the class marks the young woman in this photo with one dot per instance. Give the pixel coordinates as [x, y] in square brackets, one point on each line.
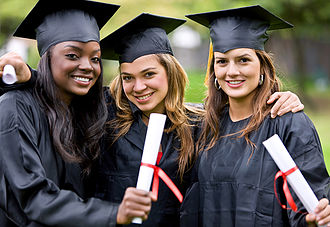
[235, 173]
[150, 80]
[50, 132]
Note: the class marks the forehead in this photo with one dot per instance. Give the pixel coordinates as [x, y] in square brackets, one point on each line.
[236, 52]
[150, 61]
[91, 45]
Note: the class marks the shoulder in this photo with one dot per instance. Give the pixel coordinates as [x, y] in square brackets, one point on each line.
[297, 121]
[298, 133]
[12, 98]
[14, 104]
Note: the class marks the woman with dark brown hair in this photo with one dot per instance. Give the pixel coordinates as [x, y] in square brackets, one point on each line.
[235, 174]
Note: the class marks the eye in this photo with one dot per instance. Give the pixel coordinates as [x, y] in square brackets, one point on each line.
[126, 78]
[150, 74]
[220, 61]
[72, 56]
[96, 59]
[243, 60]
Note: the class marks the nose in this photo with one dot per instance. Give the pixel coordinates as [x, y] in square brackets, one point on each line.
[232, 69]
[139, 85]
[85, 64]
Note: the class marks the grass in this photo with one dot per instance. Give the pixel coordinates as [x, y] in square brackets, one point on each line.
[196, 93]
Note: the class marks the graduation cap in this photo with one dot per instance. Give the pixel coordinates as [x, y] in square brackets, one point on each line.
[244, 27]
[145, 34]
[52, 22]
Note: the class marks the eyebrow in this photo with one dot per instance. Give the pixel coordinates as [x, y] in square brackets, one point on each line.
[80, 49]
[244, 55]
[240, 56]
[143, 71]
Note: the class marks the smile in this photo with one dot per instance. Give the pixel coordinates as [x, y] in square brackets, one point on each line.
[82, 79]
[234, 82]
[144, 96]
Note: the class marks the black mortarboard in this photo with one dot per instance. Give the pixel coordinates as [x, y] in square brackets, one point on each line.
[52, 22]
[244, 27]
[145, 34]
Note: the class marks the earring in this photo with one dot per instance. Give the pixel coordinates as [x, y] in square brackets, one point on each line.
[216, 84]
[261, 79]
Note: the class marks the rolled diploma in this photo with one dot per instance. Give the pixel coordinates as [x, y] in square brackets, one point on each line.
[296, 180]
[9, 74]
[150, 152]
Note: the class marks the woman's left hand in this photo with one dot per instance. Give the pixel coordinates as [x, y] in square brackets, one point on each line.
[321, 214]
[286, 102]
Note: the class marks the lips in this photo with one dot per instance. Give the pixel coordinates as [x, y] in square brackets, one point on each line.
[235, 83]
[143, 97]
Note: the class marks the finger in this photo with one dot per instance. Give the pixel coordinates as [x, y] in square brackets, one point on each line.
[278, 105]
[298, 108]
[323, 203]
[310, 219]
[323, 216]
[273, 97]
[136, 191]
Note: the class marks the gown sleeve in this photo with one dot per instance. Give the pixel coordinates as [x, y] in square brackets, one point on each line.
[23, 177]
[301, 140]
[9, 87]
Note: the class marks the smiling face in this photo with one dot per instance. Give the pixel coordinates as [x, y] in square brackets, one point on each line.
[145, 83]
[238, 73]
[75, 67]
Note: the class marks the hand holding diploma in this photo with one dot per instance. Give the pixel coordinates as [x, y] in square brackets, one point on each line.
[136, 203]
[13, 69]
[298, 183]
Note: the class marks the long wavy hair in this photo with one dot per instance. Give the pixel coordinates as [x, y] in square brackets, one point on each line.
[75, 129]
[182, 117]
[216, 100]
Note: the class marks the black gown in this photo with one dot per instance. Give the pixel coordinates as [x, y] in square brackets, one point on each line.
[231, 190]
[119, 166]
[34, 178]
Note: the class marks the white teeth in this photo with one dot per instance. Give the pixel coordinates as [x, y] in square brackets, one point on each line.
[83, 79]
[144, 97]
[235, 82]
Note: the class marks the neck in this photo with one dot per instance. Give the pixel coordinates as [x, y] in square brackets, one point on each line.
[239, 110]
[145, 118]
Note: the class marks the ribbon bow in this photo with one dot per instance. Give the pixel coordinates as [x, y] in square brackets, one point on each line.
[286, 190]
[158, 172]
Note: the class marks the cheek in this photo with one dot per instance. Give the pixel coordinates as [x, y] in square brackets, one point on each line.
[127, 87]
[97, 70]
[218, 72]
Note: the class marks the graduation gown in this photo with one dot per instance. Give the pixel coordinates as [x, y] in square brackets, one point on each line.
[33, 177]
[119, 166]
[231, 190]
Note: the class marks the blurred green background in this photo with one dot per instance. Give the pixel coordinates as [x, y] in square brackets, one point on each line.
[301, 54]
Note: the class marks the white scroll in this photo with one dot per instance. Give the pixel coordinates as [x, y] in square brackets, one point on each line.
[296, 180]
[150, 152]
[9, 74]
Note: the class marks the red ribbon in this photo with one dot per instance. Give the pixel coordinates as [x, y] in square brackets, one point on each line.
[286, 190]
[158, 172]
